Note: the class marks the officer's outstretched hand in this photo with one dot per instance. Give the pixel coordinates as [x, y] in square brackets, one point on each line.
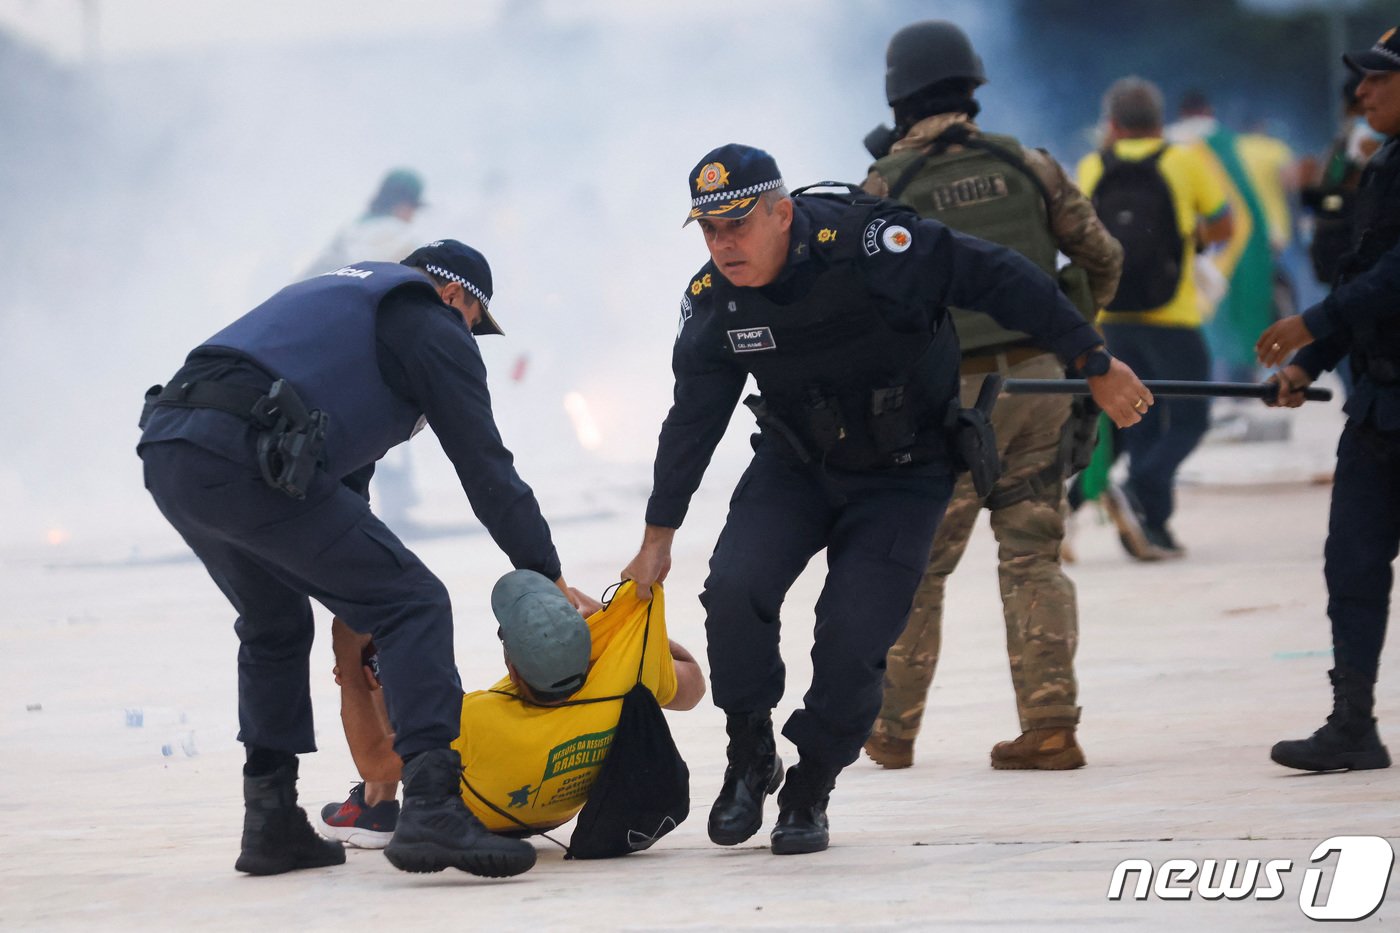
[1291, 381]
[1121, 394]
[652, 562]
[1282, 337]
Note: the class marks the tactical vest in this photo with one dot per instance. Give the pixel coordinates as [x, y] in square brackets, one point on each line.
[319, 335]
[857, 394]
[978, 191]
[1376, 343]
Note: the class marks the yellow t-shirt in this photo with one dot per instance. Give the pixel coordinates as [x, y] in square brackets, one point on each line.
[539, 763]
[1196, 192]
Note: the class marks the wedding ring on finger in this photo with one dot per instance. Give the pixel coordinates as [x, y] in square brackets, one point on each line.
[1140, 405]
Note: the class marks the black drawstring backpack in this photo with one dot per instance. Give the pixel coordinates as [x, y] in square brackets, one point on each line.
[642, 791]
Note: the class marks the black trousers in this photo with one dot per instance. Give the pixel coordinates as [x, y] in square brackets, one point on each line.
[1171, 429]
[268, 553]
[878, 530]
[1363, 537]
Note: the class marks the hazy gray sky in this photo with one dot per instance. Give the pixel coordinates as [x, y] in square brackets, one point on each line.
[127, 28]
[132, 28]
[220, 144]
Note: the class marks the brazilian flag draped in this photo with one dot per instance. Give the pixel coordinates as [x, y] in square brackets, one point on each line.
[1248, 307]
[1093, 479]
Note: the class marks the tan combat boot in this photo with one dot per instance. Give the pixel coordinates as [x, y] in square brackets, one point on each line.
[890, 752]
[1039, 750]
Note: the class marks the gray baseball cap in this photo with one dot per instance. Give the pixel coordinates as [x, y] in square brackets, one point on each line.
[544, 636]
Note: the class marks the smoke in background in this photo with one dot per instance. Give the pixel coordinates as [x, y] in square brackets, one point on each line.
[145, 201]
[149, 201]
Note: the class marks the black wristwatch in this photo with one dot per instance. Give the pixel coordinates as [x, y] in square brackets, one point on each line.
[1096, 362]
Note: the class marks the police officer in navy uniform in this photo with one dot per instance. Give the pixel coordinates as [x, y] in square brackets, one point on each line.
[260, 450]
[837, 306]
[1358, 321]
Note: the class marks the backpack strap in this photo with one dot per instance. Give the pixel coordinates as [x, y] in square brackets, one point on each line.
[518, 697]
[853, 190]
[1156, 157]
[508, 815]
[641, 664]
[959, 134]
[1110, 159]
[646, 635]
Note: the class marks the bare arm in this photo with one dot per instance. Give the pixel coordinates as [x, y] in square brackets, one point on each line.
[1218, 230]
[690, 680]
[362, 711]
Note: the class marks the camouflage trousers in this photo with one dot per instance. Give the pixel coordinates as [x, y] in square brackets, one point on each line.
[1038, 601]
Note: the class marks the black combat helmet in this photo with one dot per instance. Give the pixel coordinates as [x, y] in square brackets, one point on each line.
[925, 53]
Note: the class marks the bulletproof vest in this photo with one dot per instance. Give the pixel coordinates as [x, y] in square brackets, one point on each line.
[319, 335]
[1376, 343]
[857, 394]
[981, 192]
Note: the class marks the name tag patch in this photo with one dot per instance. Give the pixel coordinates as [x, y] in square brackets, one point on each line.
[751, 340]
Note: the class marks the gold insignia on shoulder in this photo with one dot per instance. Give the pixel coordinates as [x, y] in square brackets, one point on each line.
[700, 284]
[712, 177]
[826, 235]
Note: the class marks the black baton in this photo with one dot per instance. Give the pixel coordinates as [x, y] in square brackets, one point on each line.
[1164, 387]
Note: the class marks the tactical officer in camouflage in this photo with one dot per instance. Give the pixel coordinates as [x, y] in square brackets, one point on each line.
[937, 161]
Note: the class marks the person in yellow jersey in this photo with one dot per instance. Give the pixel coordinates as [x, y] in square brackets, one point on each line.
[532, 744]
[1160, 202]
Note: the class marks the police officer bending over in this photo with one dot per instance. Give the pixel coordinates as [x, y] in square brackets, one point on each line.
[837, 305]
[260, 451]
[1359, 320]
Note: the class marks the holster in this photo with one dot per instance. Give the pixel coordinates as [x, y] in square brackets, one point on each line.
[1080, 436]
[769, 422]
[289, 452]
[974, 441]
[290, 438]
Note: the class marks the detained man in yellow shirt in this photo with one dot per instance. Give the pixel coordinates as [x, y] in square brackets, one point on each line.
[1153, 323]
[533, 743]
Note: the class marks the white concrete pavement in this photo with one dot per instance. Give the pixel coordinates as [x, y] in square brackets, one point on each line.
[1189, 671]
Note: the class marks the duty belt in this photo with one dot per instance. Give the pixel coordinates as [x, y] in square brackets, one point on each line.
[981, 362]
[290, 438]
[246, 402]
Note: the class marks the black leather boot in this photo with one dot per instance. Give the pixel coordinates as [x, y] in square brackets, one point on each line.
[1348, 740]
[276, 835]
[802, 825]
[754, 772]
[437, 831]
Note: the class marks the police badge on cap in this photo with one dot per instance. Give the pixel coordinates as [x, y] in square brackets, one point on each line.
[726, 183]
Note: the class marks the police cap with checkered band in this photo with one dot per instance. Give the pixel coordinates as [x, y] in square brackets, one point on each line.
[1383, 56]
[457, 262]
[726, 183]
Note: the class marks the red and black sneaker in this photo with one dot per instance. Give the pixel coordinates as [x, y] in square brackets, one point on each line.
[358, 825]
